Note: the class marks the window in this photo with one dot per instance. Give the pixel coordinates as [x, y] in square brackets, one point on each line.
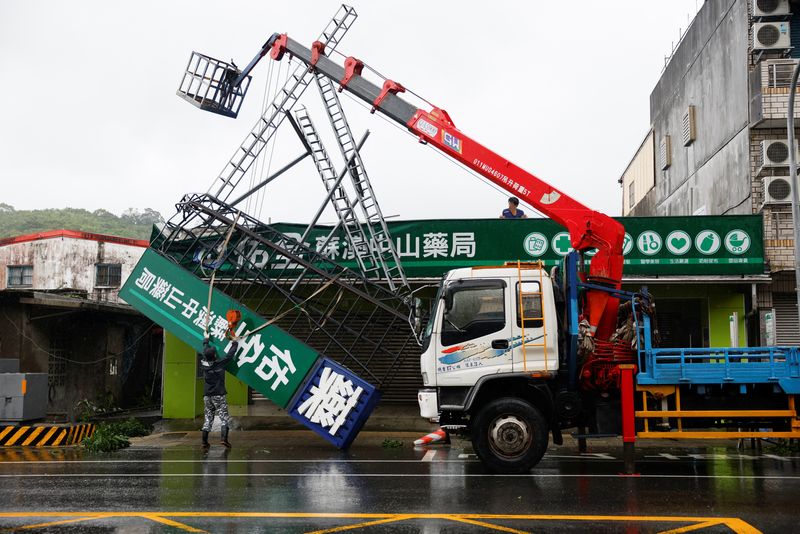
[631, 196]
[20, 275]
[108, 275]
[476, 310]
[531, 305]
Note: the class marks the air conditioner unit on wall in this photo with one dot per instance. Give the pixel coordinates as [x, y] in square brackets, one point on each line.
[771, 35]
[775, 153]
[777, 190]
[770, 8]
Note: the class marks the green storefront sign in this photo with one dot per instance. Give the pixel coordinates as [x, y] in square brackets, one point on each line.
[271, 361]
[698, 245]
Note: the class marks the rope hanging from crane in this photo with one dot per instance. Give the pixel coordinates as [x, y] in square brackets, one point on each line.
[297, 306]
[216, 265]
[235, 316]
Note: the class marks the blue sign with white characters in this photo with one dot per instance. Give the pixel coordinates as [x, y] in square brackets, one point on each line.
[334, 402]
[452, 141]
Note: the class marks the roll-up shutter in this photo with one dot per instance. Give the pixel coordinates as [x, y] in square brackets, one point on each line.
[787, 327]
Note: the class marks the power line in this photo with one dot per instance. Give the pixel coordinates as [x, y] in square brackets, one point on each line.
[57, 357]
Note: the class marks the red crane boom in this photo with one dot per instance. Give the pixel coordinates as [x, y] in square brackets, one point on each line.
[588, 229]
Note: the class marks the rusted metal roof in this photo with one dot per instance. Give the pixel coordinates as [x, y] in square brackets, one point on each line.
[75, 234]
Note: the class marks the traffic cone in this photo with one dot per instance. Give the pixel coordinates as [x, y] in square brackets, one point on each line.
[437, 436]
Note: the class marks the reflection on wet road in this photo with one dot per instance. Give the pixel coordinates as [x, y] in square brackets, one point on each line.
[274, 487]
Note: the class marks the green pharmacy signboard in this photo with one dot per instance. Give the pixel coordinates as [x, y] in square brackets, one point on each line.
[698, 245]
[271, 361]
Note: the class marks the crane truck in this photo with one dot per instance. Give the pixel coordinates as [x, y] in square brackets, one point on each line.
[515, 354]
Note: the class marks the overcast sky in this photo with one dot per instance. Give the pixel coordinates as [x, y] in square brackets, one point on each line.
[90, 118]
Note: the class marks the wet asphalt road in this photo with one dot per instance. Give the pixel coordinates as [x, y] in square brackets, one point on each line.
[292, 482]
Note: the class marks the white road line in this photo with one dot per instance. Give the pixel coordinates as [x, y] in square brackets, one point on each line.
[217, 461]
[378, 475]
[429, 456]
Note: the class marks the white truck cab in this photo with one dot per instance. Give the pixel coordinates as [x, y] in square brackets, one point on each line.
[489, 350]
[489, 320]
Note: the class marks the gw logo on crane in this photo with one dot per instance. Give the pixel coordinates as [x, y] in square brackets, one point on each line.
[451, 141]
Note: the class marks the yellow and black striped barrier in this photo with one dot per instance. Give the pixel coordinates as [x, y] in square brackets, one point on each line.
[44, 436]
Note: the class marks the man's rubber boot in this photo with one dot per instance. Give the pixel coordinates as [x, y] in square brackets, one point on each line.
[225, 437]
[206, 444]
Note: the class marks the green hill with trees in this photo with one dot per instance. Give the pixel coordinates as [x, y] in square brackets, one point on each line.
[131, 223]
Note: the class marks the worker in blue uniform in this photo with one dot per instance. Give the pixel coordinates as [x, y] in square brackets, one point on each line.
[513, 211]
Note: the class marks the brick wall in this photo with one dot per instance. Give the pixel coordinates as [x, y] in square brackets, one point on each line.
[778, 233]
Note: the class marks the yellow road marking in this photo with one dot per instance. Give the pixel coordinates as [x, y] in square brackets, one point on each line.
[363, 525]
[36, 432]
[485, 525]
[689, 528]
[740, 527]
[47, 436]
[16, 436]
[735, 524]
[51, 523]
[161, 519]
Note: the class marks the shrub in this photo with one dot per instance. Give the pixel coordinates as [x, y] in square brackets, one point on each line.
[105, 439]
[132, 428]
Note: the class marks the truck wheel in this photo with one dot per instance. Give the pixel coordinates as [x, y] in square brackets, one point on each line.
[509, 435]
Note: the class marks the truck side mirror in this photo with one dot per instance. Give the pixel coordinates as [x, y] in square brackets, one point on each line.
[448, 299]
[417, 315]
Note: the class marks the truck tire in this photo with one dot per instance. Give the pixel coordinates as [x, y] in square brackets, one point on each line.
[509, 435]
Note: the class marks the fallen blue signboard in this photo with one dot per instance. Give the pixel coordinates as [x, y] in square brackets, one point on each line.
[334, 402]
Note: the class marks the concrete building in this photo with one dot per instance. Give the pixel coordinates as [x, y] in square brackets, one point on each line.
[60, 314]
[717, 138]
[93, 265]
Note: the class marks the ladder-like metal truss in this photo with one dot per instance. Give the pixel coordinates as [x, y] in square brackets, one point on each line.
[357, 321]
[367, 257]
[287, 97]
[379, 237]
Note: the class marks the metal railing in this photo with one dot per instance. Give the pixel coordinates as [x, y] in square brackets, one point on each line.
[779, 73]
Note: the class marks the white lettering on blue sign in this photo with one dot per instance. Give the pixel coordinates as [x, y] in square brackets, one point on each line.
[451, 141]
[331, 401]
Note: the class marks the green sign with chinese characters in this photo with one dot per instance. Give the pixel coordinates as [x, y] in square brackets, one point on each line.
[270, 361]
[698, 245]
[664, 246]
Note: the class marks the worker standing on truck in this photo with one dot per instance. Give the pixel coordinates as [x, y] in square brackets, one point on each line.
[513, 211]
[215, 402]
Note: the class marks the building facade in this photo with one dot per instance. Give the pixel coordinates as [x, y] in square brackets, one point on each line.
[60, 314]
[92, 265]
[717, 143]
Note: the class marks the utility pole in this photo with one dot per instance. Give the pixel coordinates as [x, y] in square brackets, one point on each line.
[793, 180]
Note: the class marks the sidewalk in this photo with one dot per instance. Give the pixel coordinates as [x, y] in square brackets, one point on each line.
[267, 416]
